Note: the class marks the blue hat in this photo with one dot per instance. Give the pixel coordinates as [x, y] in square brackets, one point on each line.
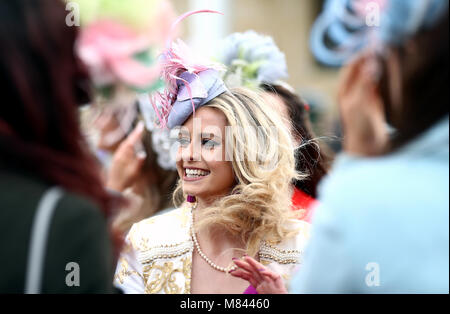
[190, 81]
[199, 90]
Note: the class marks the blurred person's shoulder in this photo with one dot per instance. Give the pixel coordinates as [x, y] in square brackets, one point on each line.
[19, 195]
[75, 219]
[393, 211]
[415, 175]
[391, 200]
[17, 186]
[19, 182]
[21, 192]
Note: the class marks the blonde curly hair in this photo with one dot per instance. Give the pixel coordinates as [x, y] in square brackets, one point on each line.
[259, 205]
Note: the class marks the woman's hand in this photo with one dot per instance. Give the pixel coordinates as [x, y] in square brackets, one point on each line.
[260, 277]
[361, 108]
[127, 161]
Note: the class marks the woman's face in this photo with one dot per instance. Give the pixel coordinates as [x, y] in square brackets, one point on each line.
[201, 160]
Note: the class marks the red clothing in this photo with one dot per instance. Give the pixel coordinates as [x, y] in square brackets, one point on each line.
[304, 202]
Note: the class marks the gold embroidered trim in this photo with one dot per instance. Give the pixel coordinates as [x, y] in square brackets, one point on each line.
[165, 277]
[165, 251]
[270, 252]
[124, 271]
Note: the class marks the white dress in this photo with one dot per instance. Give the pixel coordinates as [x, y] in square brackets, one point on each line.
[157, 257]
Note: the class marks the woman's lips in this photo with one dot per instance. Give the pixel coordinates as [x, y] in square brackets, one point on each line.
[196, 178]
[186, 178]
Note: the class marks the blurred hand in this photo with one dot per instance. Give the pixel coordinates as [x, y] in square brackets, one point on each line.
[260, 277]
[110, 132]
[127, 161]
[361, 108]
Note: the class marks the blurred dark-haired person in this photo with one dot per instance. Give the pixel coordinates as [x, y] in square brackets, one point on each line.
[382, 225]
[393, 237]
[53, 208]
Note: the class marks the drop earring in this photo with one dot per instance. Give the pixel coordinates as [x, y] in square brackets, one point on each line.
[191, 199]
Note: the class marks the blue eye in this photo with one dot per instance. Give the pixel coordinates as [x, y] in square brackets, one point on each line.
[183, 141]
[209, 143]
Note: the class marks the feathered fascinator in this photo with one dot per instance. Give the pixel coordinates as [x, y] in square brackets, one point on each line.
[190, 81]
[347, 26]
[252, 59]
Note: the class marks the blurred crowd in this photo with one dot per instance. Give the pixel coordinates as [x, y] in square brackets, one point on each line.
[130, 163]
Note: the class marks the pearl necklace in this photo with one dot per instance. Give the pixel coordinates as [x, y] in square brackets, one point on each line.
[200, 252]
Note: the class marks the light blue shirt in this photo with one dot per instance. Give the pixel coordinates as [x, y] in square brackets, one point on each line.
[382, 225]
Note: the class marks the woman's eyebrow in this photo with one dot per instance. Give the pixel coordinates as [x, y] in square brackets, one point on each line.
[183, 133]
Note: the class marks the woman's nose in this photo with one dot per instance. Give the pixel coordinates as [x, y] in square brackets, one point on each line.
[192, 152]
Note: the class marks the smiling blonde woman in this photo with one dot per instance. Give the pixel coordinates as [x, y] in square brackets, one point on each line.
[235, 162]
[242, 206]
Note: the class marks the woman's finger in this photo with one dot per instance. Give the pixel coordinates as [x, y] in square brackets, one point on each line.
[271, 275]
[136, 135]
[132, 146]
[240, 273]
[255, 265]
[246, 266]
[242, 264]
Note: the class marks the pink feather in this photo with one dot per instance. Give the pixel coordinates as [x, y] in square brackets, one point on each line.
[176, 59]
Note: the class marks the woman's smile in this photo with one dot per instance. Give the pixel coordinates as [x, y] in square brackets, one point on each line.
[195, 174]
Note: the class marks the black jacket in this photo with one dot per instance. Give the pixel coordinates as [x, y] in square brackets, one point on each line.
[78, 234]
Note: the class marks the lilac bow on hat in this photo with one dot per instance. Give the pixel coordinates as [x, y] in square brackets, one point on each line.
[199, 90]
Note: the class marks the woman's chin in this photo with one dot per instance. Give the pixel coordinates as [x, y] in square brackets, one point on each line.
[193, 191]
[192, 188]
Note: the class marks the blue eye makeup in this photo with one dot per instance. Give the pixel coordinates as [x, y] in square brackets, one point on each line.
[206, 142]
[183, 141]
[209, 143]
